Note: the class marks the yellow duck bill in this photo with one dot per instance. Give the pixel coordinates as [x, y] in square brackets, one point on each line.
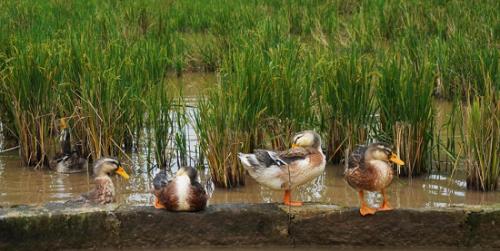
[396, 160]
[120, 171]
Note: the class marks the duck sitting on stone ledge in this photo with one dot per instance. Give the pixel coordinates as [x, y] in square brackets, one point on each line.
[182, 194]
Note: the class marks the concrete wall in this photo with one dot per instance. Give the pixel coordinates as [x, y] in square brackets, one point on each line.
[56, 226]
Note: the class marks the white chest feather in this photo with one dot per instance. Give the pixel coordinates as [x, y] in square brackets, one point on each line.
[307, 171]
[384, 173]
[182, 185]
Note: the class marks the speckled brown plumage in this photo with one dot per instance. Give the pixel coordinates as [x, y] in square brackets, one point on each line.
[369, 169]
[363, 174]
[103, 193]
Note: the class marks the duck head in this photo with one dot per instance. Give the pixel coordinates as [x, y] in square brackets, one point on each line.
[108, 167]
[188, 172]
[381, 151]
[307, 139]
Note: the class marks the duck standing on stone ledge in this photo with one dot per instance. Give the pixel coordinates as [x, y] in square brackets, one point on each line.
[183, 194]
[288, 169]
[369, 169]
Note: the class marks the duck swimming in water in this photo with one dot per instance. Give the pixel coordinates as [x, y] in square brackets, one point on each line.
[369, 169]
[67, 161]
[288, 169]
[182, 194]
[104, 191]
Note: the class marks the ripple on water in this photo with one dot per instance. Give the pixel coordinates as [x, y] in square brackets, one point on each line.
[24, 186]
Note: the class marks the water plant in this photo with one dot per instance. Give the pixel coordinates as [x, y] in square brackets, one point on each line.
[404, 98]
[349, 103]
[480, 132]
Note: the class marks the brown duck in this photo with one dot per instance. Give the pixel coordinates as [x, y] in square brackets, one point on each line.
[104, 191]
[182, 194]
[369, 169]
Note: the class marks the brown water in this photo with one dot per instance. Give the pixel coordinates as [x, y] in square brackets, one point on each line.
[26, 186]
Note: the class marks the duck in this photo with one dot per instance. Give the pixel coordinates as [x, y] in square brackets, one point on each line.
[68, 161]
[286, 170]
[182, 194]
[369, 168]
[104, 190]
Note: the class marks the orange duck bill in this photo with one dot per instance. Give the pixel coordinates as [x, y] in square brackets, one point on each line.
[394, 159]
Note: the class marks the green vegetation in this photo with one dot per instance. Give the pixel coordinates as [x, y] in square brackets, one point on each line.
[349, 113]
[481, 140]
[404, 96]
[353, 70]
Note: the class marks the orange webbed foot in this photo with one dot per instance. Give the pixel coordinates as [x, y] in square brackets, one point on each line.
[385, 207]
[288, 202]
[157, 204]
[364, 211]
[294, 203]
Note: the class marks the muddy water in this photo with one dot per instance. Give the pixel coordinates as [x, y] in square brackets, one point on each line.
[26, 186]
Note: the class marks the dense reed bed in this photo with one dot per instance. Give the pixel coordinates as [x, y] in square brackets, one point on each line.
[356, 71]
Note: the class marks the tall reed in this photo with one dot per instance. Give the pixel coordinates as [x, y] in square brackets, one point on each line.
[404, 98]
[480, 140]
[349, 101]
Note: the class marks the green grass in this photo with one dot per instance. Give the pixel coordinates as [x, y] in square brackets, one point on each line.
[404, 98]
[480, 140]
[349, 113]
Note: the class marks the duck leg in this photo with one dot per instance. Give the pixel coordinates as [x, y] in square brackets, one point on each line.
[287, 200]
[385, 204]
[364, 209]
[158, 204]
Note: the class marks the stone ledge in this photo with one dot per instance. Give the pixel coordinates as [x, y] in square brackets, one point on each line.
[66, 225]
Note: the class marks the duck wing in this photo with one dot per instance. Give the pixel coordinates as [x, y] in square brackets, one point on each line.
[102, 193]
[357, 158]
[197, 197]
[294, 154]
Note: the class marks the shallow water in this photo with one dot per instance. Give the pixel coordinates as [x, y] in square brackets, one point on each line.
[26, 186]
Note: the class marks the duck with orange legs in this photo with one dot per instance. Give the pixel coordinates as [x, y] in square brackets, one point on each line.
[369, 169]
[287, 169]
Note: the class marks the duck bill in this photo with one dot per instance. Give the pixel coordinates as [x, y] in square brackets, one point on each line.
[396, 160]
[120, 171]
[295, 145]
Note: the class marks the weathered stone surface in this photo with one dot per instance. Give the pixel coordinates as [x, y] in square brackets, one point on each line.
[484, 227]
[56, 226]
